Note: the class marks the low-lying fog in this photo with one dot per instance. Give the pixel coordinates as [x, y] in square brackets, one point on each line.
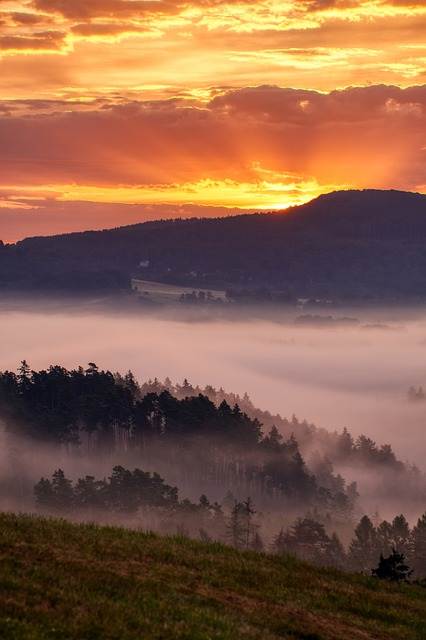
[355, 376]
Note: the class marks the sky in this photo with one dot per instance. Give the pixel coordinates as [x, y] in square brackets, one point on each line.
[118, 111]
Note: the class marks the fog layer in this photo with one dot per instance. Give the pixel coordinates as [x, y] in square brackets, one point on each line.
[355, 376]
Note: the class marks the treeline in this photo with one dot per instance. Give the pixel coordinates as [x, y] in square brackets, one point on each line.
[125, 491]
[210, 445]
[328, 454]
[308, 539]
[342, 447]
[237, 445]
[142, 499]
[139, 494]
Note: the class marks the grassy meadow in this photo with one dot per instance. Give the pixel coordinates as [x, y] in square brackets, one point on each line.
[64, 581]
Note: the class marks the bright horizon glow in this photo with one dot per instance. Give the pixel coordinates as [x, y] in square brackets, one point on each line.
[260, 195]
[232, 103]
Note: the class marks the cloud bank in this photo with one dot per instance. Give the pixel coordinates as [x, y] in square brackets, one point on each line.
[254, 147]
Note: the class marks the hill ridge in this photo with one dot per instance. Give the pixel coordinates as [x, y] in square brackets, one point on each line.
[323, 198]
[347, 245]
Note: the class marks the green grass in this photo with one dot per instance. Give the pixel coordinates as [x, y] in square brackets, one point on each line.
[65, 581]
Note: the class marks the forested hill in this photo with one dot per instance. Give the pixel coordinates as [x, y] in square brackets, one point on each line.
[350, 244]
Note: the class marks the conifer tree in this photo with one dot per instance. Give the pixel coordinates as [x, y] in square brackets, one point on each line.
[336, 555]
[62, 489]
[419, 547]
[393, 568]
[400, 533]
[364, 549]
[237, 531]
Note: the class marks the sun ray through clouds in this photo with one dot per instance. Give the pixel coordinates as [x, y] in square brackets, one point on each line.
[238, 103]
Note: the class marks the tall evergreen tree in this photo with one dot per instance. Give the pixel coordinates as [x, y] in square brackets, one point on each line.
[336, 555]
[401, 534]
[364, 549]
[418, 558]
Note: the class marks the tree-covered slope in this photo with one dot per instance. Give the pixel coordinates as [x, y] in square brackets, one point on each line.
[350, 244]
[65, 581]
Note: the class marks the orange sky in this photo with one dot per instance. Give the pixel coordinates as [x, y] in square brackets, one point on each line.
[108, 104]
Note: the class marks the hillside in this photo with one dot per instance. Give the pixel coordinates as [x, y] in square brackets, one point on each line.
[344, 245]
[66, 581]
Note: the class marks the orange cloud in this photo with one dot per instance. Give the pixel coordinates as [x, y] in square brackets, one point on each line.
[84, 9]
[22, 18]
[138, 101]
[38, 41]
[110, 46]
[247, 144]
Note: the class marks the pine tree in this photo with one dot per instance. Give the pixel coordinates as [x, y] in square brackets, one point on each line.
[90, 493]
[419, 548]
[57, 494]
[393, 568]
[63, 490]
[44, 494]
[336, 555]
[364, 550]
[385, 538]
[400, 534]
[308, 540]
[345, 444]
[248, 512]
[236, 526]
[24, 373]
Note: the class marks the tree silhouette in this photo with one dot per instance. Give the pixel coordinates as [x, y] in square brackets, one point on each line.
[419, 547]
[240, 525]
[364, 548]
[393, 568]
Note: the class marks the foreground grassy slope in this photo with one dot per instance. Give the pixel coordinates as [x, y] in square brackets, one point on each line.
[65, 581]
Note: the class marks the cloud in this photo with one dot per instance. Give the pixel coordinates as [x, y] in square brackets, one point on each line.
[320, 5]
[177, 100]
[258, 138]
[22, 18]
[81, 9]
[42, 40]
[354, 104]
[106, 29]
[112, 45]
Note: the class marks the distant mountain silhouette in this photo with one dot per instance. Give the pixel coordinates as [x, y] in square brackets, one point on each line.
[345, 245]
